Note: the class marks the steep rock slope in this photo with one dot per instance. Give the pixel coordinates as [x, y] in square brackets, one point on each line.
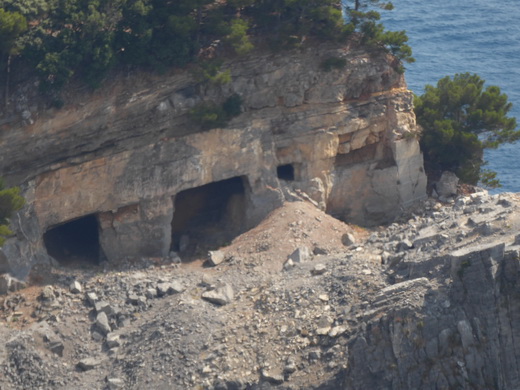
[452, 321]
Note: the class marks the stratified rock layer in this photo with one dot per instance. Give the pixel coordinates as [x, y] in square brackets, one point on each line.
[346, 138]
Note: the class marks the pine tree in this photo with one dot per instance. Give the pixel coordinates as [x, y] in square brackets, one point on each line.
[12, 25]
[460, 118]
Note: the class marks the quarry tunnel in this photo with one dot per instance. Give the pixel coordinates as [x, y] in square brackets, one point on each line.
[74, 241]
[209, 215]
[285, 172]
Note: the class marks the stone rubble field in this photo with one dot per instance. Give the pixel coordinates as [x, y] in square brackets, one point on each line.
[302, 301]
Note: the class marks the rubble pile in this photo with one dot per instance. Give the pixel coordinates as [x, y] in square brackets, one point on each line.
[302, 301]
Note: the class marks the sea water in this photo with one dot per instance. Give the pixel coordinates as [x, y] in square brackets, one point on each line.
[458, 36]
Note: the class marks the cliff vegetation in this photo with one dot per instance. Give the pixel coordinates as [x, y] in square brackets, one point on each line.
[10, 201]
[85, 39]
[460, 119]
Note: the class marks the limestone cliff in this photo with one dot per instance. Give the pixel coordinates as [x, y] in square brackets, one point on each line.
[124, 153]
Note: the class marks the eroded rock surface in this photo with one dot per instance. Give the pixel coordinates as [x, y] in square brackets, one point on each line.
[125, 155]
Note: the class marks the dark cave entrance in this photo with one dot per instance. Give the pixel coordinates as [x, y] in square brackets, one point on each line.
[74, 241]
[285, 172]
[209, 216]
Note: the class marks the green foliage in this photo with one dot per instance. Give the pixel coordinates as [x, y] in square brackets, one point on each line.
[294, 20]
[365, 19]
[134, 33]
[238, 38]
[10, 201]
[233, 106]
[460, 118]
[73, 37]
[85, 39]
[211, 115]
[489, 179]
[54, 71]
[210, 72]
[12, 25]
[395, 41]
[374, 34]
[363, 4]
[326, 22]
[333, 63]
[30, 9]
[160, 34]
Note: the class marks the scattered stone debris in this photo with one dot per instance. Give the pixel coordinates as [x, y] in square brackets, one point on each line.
[167, 288]
[430, 286]
[215, 257]
[221, 295]
[88, 364]
[75, 287]
[319, 269]
[348, 239]
[10, 284]
[115, 383]
[102, 324]
[276, 378]
[300, 255]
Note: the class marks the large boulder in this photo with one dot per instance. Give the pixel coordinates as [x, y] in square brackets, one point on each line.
[446, 187]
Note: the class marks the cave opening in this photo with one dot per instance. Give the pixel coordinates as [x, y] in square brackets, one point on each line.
[74, 242]
[285, 172]
[209, 216]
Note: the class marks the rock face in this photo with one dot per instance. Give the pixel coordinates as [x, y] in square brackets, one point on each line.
[451, 321]
[125, 155]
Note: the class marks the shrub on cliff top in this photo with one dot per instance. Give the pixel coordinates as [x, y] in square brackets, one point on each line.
[363, 16]
[85, 39]
[460, 118]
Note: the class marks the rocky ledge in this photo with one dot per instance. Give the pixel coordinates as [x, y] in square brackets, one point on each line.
[302, 301]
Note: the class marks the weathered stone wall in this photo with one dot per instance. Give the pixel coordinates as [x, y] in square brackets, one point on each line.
[124, 152]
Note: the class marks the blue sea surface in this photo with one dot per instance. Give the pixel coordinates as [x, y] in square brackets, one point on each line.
[458, 36]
